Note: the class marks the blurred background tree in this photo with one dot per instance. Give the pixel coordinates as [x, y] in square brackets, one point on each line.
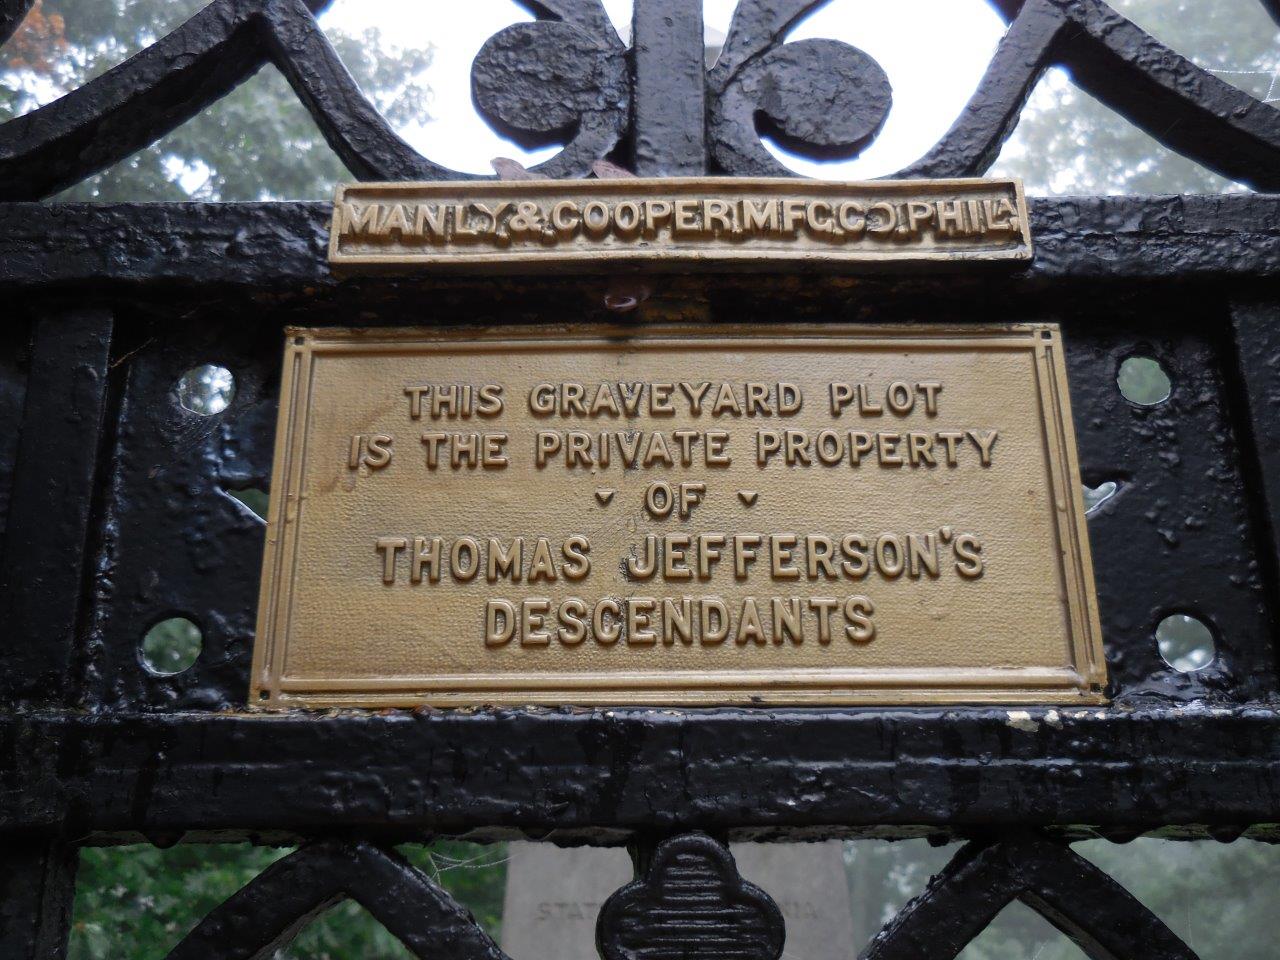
[258, 143]
[1215, 896]
[136, 902]
[1068, 142]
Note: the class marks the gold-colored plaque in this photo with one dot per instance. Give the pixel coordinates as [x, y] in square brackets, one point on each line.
[673, 222]
[677, 516]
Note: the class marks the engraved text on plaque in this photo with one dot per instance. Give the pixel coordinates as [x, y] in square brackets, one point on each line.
[720, 222]
[679, 516]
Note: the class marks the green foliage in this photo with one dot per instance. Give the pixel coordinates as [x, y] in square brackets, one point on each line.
[1019, 933]
[475, 875]
[1143, 381]
[136, 902]
[1068, 142]
[172, 645]
[883, 876]
[258, 143]
[256, 500]
[1216, 897]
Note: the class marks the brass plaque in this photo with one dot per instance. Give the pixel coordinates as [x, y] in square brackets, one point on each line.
[709, 221]
[677, 516]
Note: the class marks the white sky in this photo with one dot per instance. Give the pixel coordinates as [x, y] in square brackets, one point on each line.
[958, 36]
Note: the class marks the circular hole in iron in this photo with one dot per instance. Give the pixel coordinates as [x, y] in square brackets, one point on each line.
[171, 646]
[1185, 643]
[1143, 381]
[206, 389]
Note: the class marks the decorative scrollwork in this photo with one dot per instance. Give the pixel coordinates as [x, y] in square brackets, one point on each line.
[566, 78]
[1175, 101]
[548, 82]
[1100, 915]
[163, 86]
[822, 98]
[834, 98]
[271, 909]
[690, 902]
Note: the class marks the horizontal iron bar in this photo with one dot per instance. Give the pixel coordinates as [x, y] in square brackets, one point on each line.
[282, 246]
[610, 772]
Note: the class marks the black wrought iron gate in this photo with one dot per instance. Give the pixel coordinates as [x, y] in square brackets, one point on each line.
[114, 519]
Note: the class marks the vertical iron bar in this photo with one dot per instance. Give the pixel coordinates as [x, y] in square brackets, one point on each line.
[670, 88]
[37, 889]
[42, 570]
[1255, 328]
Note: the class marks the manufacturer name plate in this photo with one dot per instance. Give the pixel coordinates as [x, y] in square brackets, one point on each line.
[683, 516]
[757, 223]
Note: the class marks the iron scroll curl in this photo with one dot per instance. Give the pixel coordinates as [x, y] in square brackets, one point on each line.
[166, 84]
[689, 901]
[566, 78]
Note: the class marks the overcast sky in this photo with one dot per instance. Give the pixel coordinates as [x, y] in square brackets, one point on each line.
[953, 38]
